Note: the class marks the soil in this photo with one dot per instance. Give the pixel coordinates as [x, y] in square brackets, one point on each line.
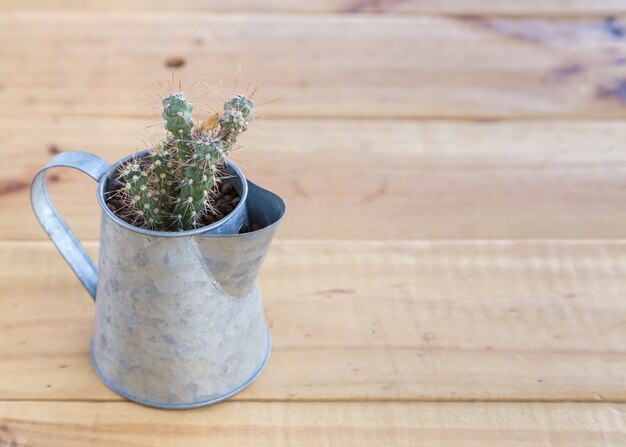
[225, 202]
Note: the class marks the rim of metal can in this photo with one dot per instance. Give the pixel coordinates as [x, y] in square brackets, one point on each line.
[102, 188]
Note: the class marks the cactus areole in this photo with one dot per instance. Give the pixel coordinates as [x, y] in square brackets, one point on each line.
[175, 185]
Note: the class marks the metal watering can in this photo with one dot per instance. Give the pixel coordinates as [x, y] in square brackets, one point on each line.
[179, 319]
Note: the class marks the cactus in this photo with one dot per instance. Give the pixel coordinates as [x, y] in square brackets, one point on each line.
[178, 120]
[236, 118]
[164, 168]
[140, 195]
[172, 188]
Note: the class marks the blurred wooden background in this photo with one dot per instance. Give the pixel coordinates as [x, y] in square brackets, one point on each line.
[451, 270]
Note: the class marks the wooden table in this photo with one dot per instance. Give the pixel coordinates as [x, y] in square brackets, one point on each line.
[452, 270]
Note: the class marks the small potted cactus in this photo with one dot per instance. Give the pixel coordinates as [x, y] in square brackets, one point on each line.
[179, 320]
[176, 187]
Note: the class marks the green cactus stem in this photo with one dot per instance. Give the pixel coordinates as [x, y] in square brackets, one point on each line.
[197, 183]
[178, 121]
[171, 189]
[209, 152]
[163, 168]
[236, 118]
[140, 195]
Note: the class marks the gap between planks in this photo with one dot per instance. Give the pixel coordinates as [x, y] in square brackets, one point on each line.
[440, 119]
[352, 400]
[503, 8]
[391, 242]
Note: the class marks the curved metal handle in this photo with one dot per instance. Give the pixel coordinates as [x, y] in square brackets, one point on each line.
[52, 222]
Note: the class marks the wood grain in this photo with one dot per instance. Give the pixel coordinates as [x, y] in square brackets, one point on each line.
[451, 268]
[316, 66]
[362, 179]
[313, 424]
[369, 321]
[550, 8]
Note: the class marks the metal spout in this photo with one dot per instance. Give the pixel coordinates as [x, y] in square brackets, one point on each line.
[233, 261]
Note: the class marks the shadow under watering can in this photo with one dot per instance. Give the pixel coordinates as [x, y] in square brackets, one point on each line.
[179, 320]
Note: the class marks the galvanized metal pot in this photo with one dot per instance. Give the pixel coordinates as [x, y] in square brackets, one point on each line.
[179, 320]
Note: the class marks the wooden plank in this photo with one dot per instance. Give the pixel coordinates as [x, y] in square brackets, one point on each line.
[360, 179]
[314, 424]
[404, 321]
[478, 7]
[317, 66]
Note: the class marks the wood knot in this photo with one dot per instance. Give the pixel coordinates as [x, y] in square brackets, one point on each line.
[53, 149]
[11, 185]
[175, 62]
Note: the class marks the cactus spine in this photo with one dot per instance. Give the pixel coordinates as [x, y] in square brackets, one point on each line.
[171, 189]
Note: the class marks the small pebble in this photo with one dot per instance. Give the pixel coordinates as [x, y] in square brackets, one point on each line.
[235, 201]
[254, 227]
[226, 209]
[227, 197]
[116, 203]
[111, 207]
[226, 188]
